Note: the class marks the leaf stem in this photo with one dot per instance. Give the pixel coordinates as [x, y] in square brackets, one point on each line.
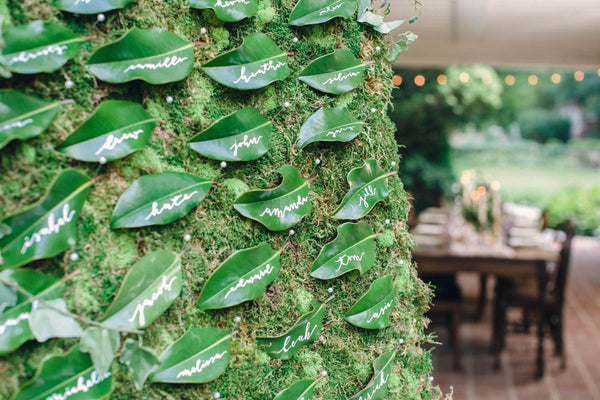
[91, 37]
[66, 102]
[313, 178]
[391, 174]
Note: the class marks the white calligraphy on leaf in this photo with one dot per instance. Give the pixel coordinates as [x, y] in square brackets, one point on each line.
[139, 309]
[200, 365]
[289, 344]
[245, 142]
[83, 385]
[281, 213]
[111, 141]
[176, 201]
[264, 68]
[338, 131]
[367, 192]
[339, 77]
[52, 226]
[376, 387]
[229, 3]
[256, 277]
[381, 311]
[13, 322]
[168, 62]
[330, 9]
[25, 56]
[16, 124]
[345, 260]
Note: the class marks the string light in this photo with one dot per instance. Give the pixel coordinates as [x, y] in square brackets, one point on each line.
[419, 80]
[579, 75]
[464, 77]
[510, 80]
[555, 78]
[397, 80]
[533, 80]
[442, 79]
[486, 80]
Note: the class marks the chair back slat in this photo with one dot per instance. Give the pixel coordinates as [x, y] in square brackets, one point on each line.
[562, 270]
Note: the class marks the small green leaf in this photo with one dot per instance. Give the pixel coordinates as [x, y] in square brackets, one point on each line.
[241, 136]
[200, 356]
[154, 55]
[102, 344]
[48, 320]
[310, 12]
[279, 208]
[140, 361]
[377, 388]
[300, 390]
[373, 310]
[150, 287]
[255, 64]
[304, 331]
[115, 130]
[243, 276]
[335, 73]
[90, 6]
[159, 199]
[329, 125]
[8, 296]
[228, 10]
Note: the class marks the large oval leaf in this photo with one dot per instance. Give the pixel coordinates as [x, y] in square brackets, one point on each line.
[154, 55]
[243, 276]
[373, 310]
[48, 227]
[39, 47]
[159, 199]
[367, 188]
[304, 331]
[116, 129]
[352, 250]
[201, 355]
[310, 12]
[255, 64]
[23, 116]
[279, 208]
[70, 376]
[301, 390]
[228, 10]
[241, 136]
[90, 6]
[140, 361]
[150, 287]
[377, 388]
[335, 73]
[329, 125]
[50, 319]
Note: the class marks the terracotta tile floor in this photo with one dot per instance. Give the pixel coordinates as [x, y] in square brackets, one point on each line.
[515, 380]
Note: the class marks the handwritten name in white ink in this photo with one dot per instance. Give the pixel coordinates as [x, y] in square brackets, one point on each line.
[225, 4]
[256, 277]
[340, 77]
[338, 131]
[139, 309]
[200, 365]
[281, 213]
[83, 1]
[376, 387]
[53, 226]
[83, 385]
[264, 68]
[25, 56]
[168, 62]
[245, 142]
[367, 192]
[330, 9]
[345, 260]
[111, 141]
[176, 201]
[381, 311]
[16, 124]
[289, 344]
[13, 322]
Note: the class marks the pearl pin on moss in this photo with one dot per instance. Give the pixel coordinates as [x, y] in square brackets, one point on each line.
[323, 373]
[237, 319]
[295, 40]
[373, 110]
[102, 160]
[203, 31]
[223, 164]
[292, 232]
[217, 395]
[169, 99]
[286, 104]
[187, 237]
[377, 48]
[387, 221]
[317, 161]
[100, 17]
[330, 290]
[393, 164]
[74, 257]
[69, 84]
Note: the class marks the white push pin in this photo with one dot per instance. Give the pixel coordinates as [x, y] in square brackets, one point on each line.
[330, 290]
[203, 31]
[393, 163]
[401, 341]
[373, 110]
[74, 256]
[223, 164]
[169, 99]
[317, 161]
[100, 17]
[430, 379]
[377, 48]
[102, 160]
[69, 84]
[295, 40]
[217, 395]
[286, 104]
[187, 237]
[323, 373]
[400, 262]
[292, 232]
[237, 319]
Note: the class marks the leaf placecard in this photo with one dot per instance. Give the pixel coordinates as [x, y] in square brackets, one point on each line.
[50, 320]
[150, 287]
[39, 47]
[352, 250]
[373, 310]
[310, 12]
[241, 136]
[102, 345]
[47, 228]
[228, 10]
[23, 116]
[329, 125]
[279, 208]
[140, 361]
[154, 55]
[243, 276]
[377, 388]
[335, 73]
[304, 331]
[301, 390]
[368, 186]
[255, 64]
[159, 199]
[116, 129]
[201, 355]
[70, 376]
[90, 6]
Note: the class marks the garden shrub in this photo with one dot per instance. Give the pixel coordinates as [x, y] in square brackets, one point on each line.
[542, 125]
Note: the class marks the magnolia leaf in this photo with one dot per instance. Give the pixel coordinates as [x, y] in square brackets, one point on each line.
[150, 287]
[377, 388]
[23, 116]
[255, 64]
[241, 136]
[8, 295]
[335, 73]
[228, 10]
[48, 227]
[243, 276]
[367, 187]
[301, 390]
[304, 331]
[90, 6]
[200, 356]
[329, 125]
[154, 55]
[159, 199]
[102, 344]
[309, 12]
[140, 361]
[115, 130]
[373, 309]
[352, 250]
[70, 376]
[49, 320]
[14, 326]
[279, 208]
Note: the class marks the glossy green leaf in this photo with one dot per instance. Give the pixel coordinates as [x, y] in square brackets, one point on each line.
[70, 376]
[102, 344]
[48, 320]
[8, 296]
[301, 390]
[352, 250]
[39, 47]
[329, 125]
[140, 361]
[117, 128]
[373, 309]
[241, 136]
[255, 64]
[243, 276]
[368, 186]
[201, 355]
[309, 12]
[90, 6]
[150, 287]
[335, 73]
[23, 116]
[377, 388]
[48, 227]
[304, 331]
[159, 199]
[279, 208]
[154, 55]
[228, 10]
